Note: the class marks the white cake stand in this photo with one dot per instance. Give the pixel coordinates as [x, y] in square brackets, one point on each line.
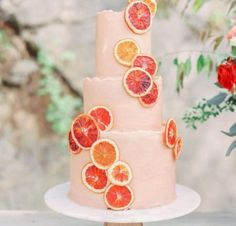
[186, 202]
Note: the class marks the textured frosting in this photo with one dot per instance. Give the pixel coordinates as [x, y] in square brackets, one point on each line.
[111, 28]
[152, 164]
[129, 114]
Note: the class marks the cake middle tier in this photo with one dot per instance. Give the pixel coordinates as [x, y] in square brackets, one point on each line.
[128, 113]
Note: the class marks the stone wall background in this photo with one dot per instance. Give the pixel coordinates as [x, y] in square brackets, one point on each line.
[33, 158]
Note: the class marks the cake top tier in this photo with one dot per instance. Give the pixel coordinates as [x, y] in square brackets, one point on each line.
[111, 28]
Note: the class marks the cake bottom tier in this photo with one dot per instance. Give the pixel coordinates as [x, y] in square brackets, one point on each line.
[152, 164]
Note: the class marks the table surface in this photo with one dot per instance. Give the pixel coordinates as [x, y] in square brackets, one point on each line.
[34, 218]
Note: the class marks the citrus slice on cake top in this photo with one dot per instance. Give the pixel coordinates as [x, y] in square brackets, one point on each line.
[146, 62]
[178, 148]
[84, 131]
[170, 134]
[137, 82]
[125, 51]
[138, 17]
[72, 146]
[150, 99]
[120, 173]
[151, 3]
[104, 153]
[118, 197]
[94, 179]
[103, 117]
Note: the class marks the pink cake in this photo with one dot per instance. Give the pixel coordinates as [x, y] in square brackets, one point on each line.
[137, 131]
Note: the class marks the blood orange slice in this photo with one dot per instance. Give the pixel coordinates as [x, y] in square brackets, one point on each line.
[125, 51]
[118, 197]
[94, 179]
[72, 146]
[147, 63]
[103, 117]
[178, 148]
[170, 134]
[120, 173]
[137, 82]
[150, 99]
[84, 131]
[138, 17]
[104, 153]
[151, 3]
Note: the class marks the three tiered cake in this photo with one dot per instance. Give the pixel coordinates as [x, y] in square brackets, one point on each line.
[123, 154]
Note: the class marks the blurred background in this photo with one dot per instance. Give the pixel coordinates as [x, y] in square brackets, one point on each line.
[48, 47]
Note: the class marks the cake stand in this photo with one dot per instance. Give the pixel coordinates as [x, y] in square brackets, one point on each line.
[186, 202]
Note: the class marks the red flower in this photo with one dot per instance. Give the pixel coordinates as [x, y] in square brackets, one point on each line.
[227, 75]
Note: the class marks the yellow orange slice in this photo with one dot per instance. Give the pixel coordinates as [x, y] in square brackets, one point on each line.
[104, 153]
[170, 134]
[94, 179]
[119, 173]
[178, 148]
[118, 197]
[125, 51]
[103, 117]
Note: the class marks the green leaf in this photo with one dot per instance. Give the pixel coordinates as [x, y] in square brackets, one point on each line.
[231, 148]
[200, 63]
[180, 77]
[187, 66]
[209, 65]
[217, 41]
[233, 50]
[231, 6]
[218, 99]
[232, 131]
[197, 5]
[176, 61]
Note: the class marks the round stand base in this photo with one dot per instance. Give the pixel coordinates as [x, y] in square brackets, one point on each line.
[186, 202]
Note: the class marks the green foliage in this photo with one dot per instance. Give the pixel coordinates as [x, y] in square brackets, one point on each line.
[232, 131]
[206, 109]
[231, 148]
[217, 41]
[197, 5]
[4, 43]
[62, 107]
[183, 70]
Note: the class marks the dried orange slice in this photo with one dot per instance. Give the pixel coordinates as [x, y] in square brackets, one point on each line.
[84, 131]
[120, 173]
[118, 197]
[94, 179]
[138, 17]
[103, 117]
[150, 99]
[178, 148]
[151, 3]
[137, 82]
[170, 134]
[72, 146]
[104, 153]
[147, 63]
[125, 51]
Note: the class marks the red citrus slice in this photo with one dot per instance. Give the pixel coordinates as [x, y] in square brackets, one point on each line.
[104, 153]
[150, 99]
[118, 197]
[125, 51]
[72, 146]
[151, 3]
[103, 117]
[137, 82]
[147, 63]
[138, 17]
[178, 148]
[120, 173]
[84, 131]
[170, 133]
[94, 179]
